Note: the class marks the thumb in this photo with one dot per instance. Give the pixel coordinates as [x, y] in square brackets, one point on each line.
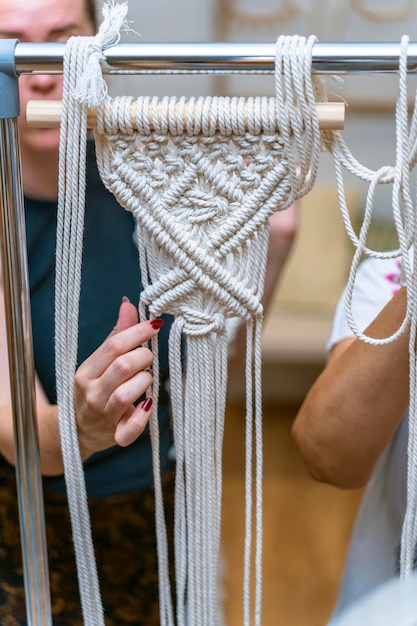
[128, 316]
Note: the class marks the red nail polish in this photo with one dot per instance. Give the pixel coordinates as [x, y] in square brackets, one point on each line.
[146, 406]
[156, 324]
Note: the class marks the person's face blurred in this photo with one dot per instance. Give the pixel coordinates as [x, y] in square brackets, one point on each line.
[41, 21]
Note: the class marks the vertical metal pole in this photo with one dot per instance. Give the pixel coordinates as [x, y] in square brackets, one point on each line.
[20, 351]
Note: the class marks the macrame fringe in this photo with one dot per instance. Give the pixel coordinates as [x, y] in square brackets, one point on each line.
[70, 222]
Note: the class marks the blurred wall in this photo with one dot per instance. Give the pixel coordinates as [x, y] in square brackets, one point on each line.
[168, 21]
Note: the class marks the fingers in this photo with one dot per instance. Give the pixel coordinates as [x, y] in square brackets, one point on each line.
[109, 382]
[132, 425]
[128, 316]
[122, 395]
[127, 335]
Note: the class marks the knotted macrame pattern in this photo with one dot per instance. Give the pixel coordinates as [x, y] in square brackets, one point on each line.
[201, 177]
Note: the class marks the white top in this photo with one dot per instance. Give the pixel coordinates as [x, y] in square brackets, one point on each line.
[393, 603]
[373, 556]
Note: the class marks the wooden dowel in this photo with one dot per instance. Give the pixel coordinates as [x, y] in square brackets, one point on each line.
[47, 114]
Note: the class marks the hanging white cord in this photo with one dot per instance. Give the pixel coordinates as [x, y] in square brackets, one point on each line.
[409, 532]
[202, 181]
[403, 210]
[405, 222]
[70, 224]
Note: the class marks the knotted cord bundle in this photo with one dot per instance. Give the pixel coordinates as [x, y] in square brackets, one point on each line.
[201, 177]
[201, 187]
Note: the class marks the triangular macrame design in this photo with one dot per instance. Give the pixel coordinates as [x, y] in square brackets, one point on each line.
[201, 187]
[201, 177]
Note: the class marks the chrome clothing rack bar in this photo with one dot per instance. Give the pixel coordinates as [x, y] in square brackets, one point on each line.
[20, 350]
[333, 58]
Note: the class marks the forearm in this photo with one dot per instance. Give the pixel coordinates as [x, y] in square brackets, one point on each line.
[355, 406]
[48, 438]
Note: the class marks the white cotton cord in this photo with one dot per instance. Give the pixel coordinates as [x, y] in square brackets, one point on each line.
[180, 530]
[357, 258]
[70, 221]
[247, 553]
[379, 177]
[409, 534]
[403, 211]
[258, 471]
[296, 113]
[254, 458]
[404, 218]
[202, 177]
[409, 531]
[70, 224]
[91, 88]
[165, 596]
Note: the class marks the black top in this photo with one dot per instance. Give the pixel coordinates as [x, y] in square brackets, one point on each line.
[110, 270]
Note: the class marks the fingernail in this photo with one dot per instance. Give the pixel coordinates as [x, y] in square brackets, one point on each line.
[156, 324]
[125, 299]
[146, 406]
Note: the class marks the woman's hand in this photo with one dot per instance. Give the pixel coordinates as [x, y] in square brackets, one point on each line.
[111, 380]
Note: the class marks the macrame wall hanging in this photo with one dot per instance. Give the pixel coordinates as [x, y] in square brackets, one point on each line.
[201, 177]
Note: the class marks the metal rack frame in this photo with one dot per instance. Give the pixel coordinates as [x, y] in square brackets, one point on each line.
[47, 58]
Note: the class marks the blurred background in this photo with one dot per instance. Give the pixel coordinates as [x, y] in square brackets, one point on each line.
[307, 525]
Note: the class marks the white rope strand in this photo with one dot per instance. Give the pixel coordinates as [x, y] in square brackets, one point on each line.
[404, 209]
[70, 225]
[70, 221]
[202, 181]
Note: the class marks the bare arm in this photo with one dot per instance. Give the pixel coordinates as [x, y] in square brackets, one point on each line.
[106, 386]
[353, 409]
